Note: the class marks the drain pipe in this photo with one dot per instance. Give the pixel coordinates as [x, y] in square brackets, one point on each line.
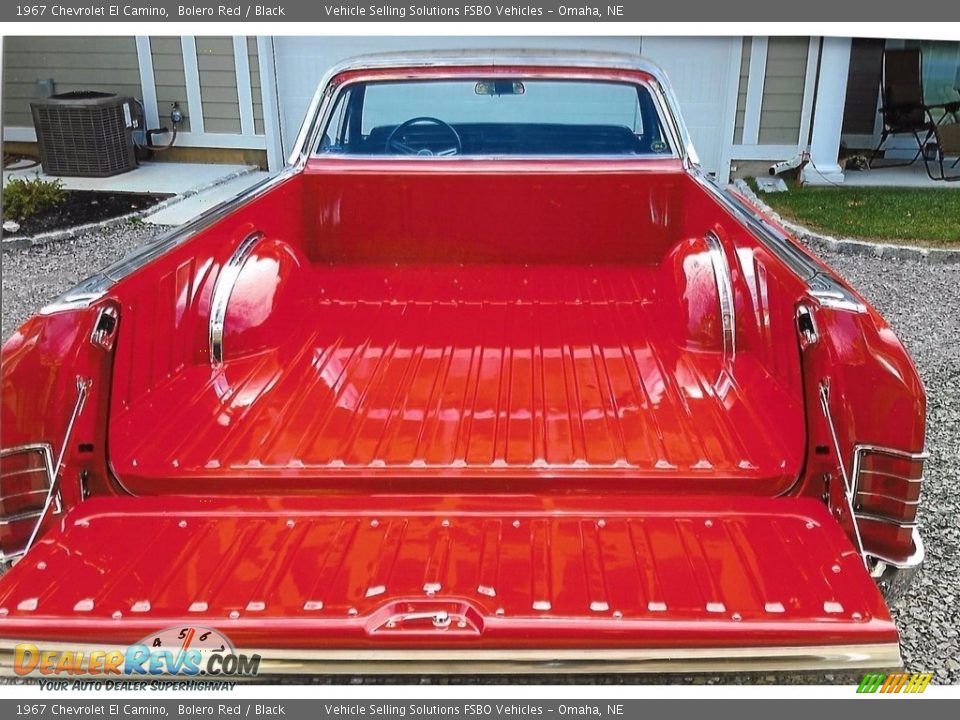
[791, 164]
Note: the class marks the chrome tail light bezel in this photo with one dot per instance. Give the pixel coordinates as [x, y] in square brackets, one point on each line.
[45, 466]
[860, 453]
[893, 576]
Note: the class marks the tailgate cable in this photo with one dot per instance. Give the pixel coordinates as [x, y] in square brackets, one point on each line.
[848, 489]
[83, 384]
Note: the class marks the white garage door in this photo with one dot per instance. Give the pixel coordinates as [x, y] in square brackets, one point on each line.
[697, 66]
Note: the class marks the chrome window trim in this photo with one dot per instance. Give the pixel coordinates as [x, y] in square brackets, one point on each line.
[661, 90]
[326, 116]
[222, 290]
[721, 273]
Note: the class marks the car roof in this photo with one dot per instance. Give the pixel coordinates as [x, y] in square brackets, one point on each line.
[494, 57]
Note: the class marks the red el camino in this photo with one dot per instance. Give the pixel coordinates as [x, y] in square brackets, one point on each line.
[491, 378]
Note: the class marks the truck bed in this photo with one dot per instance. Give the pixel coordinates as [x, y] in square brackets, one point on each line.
[481, 371]
[462, 415]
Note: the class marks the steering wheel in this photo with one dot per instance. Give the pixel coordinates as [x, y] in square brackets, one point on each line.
[396, 141]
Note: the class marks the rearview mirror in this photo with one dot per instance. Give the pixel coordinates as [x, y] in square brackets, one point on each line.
[499, 87]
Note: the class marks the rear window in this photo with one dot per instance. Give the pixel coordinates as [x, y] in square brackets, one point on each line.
[494, 117]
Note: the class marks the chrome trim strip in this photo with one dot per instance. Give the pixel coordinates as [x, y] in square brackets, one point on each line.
[721, 273]
[18, 518]
[222, 289]
[861, 449]
[663, 92]
[824, 287]
[828, 291]
[885, 519]
[778, 243]
[521, 660]
[93, 288]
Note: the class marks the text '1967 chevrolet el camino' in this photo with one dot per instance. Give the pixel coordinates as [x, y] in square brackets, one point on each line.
[491, 378]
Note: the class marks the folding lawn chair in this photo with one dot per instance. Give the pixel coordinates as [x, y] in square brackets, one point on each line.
[902, 106]
[948, 145]
[953, 107]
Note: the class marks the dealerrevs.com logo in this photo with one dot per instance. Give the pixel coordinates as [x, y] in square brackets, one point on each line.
[894, 683]
[179, 651]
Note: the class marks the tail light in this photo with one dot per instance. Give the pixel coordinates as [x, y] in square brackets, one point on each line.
[26, 475]
[886, 495]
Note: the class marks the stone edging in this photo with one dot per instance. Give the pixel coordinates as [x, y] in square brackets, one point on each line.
[852, 246]
[19, 242]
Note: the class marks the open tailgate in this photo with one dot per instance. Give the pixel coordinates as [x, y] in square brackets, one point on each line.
[460, 583]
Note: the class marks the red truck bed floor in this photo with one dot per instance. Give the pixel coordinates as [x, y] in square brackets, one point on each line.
[478, 371]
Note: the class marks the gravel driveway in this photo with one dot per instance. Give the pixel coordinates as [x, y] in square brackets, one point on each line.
[921, 301]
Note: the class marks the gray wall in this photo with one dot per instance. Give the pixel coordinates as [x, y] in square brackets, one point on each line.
[104, 64]
[218, 84]
[742, 92]
[783, 90]
[109, 64]
[781, 107]
[168, 75]
[255, 91]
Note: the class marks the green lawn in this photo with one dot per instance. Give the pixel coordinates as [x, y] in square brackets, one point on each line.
[902, 215]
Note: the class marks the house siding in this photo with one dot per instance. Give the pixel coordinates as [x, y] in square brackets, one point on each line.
[782, 106]
[255, 86]
[218, 85]
[742, 90]
[102, 64]
[170, 79]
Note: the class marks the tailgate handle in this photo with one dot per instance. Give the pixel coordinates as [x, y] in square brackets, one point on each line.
[414, 616]
[439, 618]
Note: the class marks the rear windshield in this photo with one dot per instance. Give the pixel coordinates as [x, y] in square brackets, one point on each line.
[494, 117]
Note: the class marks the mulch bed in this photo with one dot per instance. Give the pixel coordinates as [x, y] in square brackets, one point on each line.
[80, 207]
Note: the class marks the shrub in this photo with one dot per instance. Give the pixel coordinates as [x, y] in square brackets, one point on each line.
[25, 198]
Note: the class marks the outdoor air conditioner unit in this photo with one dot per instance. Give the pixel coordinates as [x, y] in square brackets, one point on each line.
[84, 134]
